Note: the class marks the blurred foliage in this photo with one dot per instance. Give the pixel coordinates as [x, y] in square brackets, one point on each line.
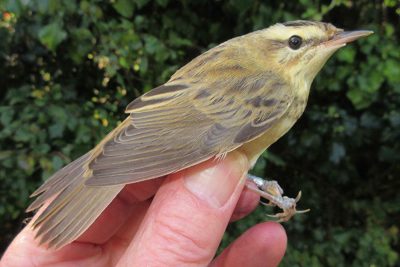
[68, 68]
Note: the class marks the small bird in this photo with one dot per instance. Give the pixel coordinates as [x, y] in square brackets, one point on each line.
[243, 94]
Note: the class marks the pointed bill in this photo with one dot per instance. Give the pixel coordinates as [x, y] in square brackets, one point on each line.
[342, 38]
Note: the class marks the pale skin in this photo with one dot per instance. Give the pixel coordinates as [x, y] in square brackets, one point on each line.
[181, 226]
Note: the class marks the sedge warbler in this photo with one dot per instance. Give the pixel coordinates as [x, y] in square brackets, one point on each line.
[243, 94]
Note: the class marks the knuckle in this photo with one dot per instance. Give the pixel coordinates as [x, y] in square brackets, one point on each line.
[183, 242]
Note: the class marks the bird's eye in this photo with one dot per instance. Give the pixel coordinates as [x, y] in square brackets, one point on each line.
[295, 42]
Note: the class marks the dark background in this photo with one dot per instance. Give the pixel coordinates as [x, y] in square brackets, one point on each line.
[68, 69]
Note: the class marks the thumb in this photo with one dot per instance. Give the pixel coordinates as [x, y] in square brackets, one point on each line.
[189, 215]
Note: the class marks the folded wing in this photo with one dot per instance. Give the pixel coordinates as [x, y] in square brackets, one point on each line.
[174, 128]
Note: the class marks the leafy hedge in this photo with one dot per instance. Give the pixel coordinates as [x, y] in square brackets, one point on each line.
[68, 68]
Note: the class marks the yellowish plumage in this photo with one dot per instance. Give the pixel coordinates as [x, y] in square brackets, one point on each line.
[243, 94]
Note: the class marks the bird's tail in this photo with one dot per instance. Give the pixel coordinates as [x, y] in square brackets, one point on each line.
[74, 206]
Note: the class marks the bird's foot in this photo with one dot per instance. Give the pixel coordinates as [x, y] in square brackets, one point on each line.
[271, 191]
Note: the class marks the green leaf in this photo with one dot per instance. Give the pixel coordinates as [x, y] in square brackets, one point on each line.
[141, 3]
[124, 62]
[58, 113]
[16, 6]
[359, 98]
[259, 167]
[394, 118]
[47, 6]
[391, 71]
[337, 153]
[152, 44]
[26, 163]
[241, 5]
[43, 148]
[273, 158]
[124, 7]
[162, 3]
[4, 154]
[347, 54]
[57, 162]
[23, 134]
[144, 64]
[6, 115]
[368, 120]
[82, 43]
[388, 154]
[52, 35]
[355, 97]
[56, 130]
[175, 40]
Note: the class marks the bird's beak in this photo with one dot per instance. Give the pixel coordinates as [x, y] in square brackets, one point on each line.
[342, 38]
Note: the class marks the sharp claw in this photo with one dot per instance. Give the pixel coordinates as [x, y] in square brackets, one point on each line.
[302, 211]
[270, 204]
[298, 196]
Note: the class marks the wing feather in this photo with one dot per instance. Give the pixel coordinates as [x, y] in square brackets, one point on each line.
[165, 137]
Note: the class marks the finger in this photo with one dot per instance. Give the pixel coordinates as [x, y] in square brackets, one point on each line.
[189, 215]
[130, 201]
[247, 202]
[116, 246]
[262, 245]
[24, 251]
[130, 206]
[127, 211]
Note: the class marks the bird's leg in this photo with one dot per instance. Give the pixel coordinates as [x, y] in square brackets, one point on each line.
[271, 191]
[270, 187]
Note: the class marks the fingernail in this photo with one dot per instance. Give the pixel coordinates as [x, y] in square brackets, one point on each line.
[215, 181]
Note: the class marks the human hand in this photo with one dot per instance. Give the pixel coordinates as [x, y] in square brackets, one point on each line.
[182, 226]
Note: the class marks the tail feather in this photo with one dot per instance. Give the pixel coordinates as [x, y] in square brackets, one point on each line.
[52, 217]
[74, 207]
[58, 182]
[79, 214]
[57, 178]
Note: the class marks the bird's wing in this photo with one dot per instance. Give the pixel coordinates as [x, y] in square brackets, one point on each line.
[179, 125]
[170, 128]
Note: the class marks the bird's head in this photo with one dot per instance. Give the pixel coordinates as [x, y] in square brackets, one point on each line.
[301, 48]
